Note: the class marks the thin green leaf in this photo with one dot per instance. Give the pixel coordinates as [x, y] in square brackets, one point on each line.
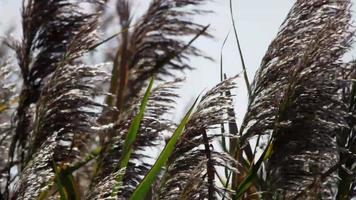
[240, 52]
[70, 186]
[60, 186]
[69, 170]
[248, 181]
[66, 185]
[221, 57]
[130, 139]
[171, 56]
[145, 185]
[223, 139]
[93, 154]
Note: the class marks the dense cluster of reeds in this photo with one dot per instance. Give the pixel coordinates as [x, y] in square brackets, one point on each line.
[71, 130]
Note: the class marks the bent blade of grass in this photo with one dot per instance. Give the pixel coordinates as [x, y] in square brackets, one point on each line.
[223, 139]
[221, 57]
[222, 128]
[68, 171]
[240, 52]
[65, 183]
[70, 186]
[60, 187]
[171, 55]
[142, 189]
[91, 156]
[248, 181]
[130, 139]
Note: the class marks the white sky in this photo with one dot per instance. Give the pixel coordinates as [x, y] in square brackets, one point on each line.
[257, 20]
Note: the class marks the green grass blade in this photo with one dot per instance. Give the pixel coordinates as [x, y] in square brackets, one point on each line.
[170, 56]
[145, 185]
[130, 139]
[248, 181]
[60, 187]
[92, 155]
[240, 52]
[133, 129]
[70, 186]
[223, 139]
[221, 57]
[68, 171]
[66, 185]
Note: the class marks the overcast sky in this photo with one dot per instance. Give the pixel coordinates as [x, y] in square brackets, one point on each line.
[257, 20]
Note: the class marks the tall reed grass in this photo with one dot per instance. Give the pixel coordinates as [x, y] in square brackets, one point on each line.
[73, 130]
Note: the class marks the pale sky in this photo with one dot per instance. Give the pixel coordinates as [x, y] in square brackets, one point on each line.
[257, 21]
